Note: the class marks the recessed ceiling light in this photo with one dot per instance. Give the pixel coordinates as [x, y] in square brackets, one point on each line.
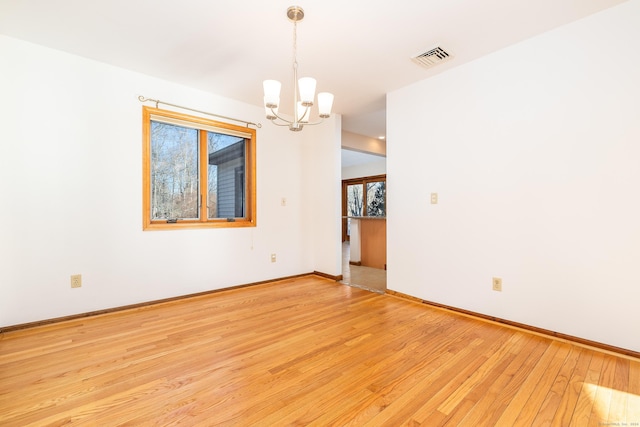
[381, 137]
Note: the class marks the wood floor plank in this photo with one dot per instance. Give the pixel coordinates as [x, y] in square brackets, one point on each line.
[620, 398]
[633, 393]
[569, 399]
[586, 399]
[551, 403]
[495, 363]
[540, 391]
[304, 351]
[403, 407]
[604, 393]
[493, 400]
[519, 401]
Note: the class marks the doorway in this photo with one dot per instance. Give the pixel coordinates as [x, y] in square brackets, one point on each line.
[364, 200]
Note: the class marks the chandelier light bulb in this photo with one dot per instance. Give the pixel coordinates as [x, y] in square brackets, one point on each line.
[271, 93]
[307, 87]
[325, 103]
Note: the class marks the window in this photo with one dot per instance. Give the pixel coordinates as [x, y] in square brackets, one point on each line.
[377, 198]
[198, 173]
[363, 197]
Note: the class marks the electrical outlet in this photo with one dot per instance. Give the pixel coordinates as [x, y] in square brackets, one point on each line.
[497, 284]
[273, 257]
[434, 198]
[76, 280]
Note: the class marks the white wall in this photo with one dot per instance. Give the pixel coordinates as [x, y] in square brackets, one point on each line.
[71, 188]
[378, 167]
[536, 159]
[322, 184]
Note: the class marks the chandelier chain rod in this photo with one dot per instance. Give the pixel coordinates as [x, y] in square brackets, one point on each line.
[295, 44]
[295, 71]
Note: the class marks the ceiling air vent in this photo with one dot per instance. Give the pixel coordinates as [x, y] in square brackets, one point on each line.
[432, 57]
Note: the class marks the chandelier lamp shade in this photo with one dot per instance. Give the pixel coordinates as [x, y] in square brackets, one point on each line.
[304, 90]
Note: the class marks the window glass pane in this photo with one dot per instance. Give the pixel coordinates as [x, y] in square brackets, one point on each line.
[226, 176]
[354, 200]
[377, 198]
[174, 172]
[354, 203]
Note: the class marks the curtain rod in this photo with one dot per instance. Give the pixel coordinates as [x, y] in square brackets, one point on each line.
[143, 99]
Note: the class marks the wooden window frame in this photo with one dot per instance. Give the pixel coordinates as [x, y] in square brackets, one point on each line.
[249, 220]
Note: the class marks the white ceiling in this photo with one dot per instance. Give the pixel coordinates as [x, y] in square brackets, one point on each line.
[357, 49]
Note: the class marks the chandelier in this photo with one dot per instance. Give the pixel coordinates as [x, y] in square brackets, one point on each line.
[303, 90]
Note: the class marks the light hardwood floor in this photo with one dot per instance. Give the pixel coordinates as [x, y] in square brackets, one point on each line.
[306, 351]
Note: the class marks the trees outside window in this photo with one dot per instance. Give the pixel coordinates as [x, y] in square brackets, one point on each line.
[355, 204]
[377, 198]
